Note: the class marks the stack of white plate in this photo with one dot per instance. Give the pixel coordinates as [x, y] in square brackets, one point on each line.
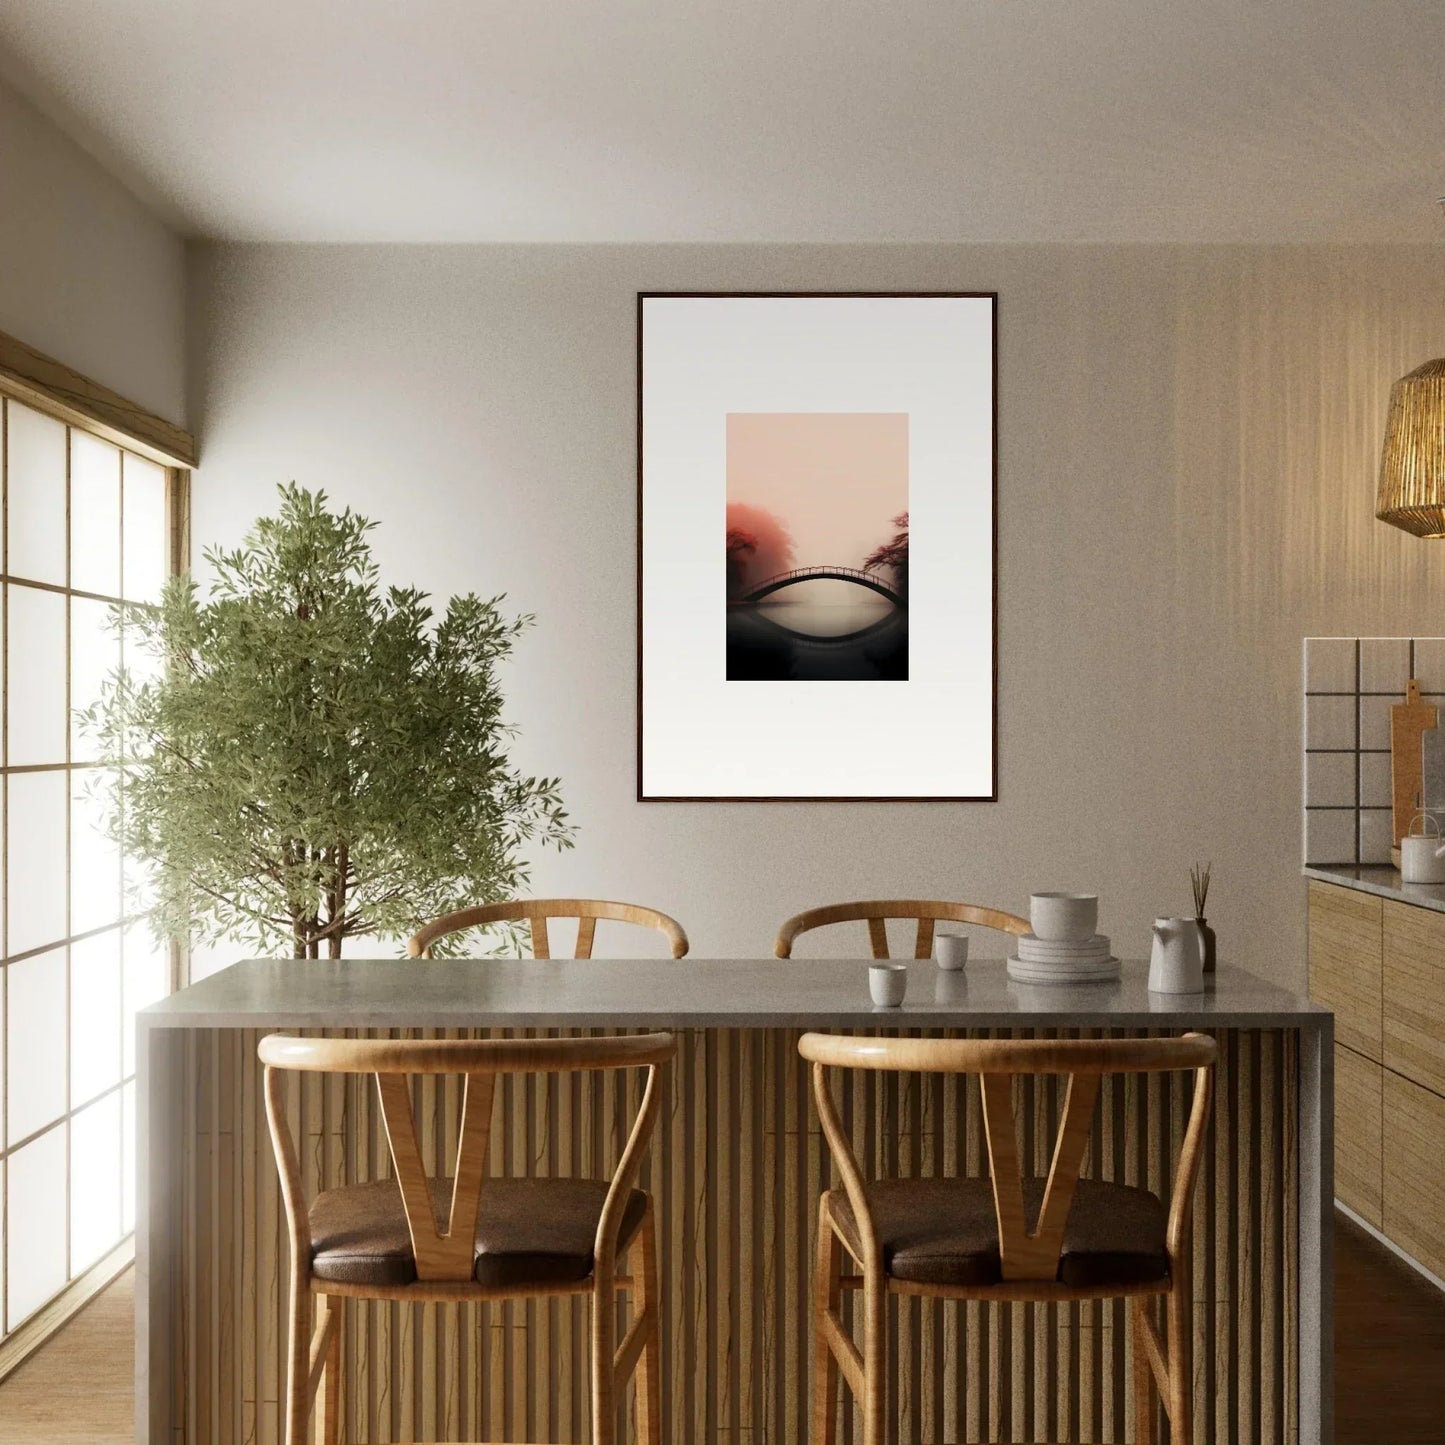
[1050, 960]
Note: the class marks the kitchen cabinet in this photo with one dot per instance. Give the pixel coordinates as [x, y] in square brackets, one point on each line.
[1377, 959]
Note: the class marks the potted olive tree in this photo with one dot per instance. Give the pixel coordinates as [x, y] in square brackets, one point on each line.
[310, 758]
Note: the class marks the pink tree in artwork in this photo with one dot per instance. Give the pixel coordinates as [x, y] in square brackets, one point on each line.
[741, 546]
[759, 546]
[893, 555]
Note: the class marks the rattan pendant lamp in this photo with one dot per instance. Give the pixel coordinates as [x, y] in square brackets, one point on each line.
[1412, 470]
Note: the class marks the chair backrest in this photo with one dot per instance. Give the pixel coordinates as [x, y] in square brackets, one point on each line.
[878, 911]
[536, 912]
[443, 1249]
[1026, 1251]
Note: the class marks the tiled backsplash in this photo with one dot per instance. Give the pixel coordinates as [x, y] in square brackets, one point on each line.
[1350, 685]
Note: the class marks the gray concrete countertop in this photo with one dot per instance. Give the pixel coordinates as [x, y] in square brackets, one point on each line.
[697, 993]
[1383, 882]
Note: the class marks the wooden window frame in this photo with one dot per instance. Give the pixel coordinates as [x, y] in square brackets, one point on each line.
[46, 385]
[50, 386]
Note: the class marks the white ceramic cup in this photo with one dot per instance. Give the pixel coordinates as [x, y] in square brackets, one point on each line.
[888, 982]
[1061, 917]
[951, 950]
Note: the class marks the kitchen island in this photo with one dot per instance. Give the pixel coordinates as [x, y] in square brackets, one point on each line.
[736, 1164]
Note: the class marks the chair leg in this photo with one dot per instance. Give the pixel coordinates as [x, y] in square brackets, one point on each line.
[827, 1297]
[875, 1353]
[1178, 1306]
[328, 1430]
[649, 1365]
[298, 1360]
[604, 1370]
[1143, 1373]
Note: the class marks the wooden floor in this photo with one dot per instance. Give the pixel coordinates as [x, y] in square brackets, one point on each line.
[1389, 1361]
[1389, 1347]
[81, 1385]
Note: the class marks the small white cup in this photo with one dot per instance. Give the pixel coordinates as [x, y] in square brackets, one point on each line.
[1061, 917]
[951, 950]
[888, 982]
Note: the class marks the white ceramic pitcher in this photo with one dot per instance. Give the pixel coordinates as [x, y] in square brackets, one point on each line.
[1176, 964]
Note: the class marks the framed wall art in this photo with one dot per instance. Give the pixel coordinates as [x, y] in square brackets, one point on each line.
[816, 546]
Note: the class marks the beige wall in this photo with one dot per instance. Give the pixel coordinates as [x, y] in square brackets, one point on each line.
[1188, 438]
[87, 274]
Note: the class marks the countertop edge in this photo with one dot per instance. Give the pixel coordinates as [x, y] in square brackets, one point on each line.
[1380, 882]
[900, 1021]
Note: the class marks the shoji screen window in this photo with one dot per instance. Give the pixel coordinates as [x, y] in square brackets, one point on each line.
[86, 524]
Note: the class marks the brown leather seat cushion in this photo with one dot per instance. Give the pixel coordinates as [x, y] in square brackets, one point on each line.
[944, 1232]
[530, 1231]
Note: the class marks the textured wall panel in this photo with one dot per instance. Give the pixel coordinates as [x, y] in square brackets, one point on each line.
[737, 1165]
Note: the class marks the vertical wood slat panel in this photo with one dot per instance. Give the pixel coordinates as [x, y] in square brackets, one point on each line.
[190, 1380]
[1289, 1156]
[244, 1231]
[737, 1165]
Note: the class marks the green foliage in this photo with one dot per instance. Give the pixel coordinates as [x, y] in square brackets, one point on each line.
[315, 759]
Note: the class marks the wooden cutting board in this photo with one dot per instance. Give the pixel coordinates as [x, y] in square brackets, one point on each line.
[1409, 720]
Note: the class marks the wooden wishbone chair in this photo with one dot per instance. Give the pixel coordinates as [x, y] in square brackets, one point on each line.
[1009, 1237]
[877, 912]
[536, 912]
[420, 1239]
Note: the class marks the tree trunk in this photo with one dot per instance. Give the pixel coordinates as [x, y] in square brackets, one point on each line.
[336, 899]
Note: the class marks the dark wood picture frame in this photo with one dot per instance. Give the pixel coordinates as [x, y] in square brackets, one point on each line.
[992, 297]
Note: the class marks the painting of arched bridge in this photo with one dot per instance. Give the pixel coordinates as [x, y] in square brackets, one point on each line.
[871, 580]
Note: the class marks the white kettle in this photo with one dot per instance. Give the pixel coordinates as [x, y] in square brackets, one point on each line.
[1176, 964]
[1422, 855]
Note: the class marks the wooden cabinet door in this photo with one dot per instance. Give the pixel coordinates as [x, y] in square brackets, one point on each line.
[1358, 1125]
[1414, 994]
[1345, 963]
[1414, 1173]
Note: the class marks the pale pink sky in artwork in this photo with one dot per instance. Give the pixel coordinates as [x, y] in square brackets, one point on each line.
[834, 479]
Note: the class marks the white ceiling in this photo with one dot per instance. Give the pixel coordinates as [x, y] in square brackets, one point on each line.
[755, 120]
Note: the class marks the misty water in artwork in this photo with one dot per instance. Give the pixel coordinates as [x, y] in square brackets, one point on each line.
[817, 547]
[824, 629]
